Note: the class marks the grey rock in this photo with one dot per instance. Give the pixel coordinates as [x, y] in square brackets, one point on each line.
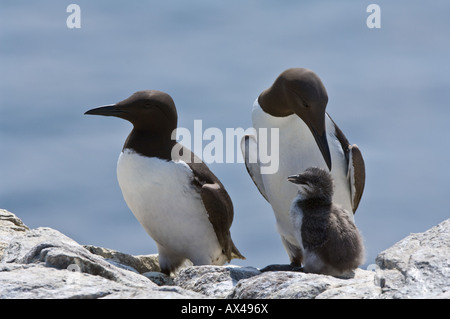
[53, 249]
[43, 263]
[361, 286]
[10, 224]
[213, 281]
[418, 266]
[298, 285]
[159, 278]
[140, 263]
[34, 281]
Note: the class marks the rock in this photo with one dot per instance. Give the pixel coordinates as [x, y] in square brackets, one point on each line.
[43, 263]
[213, 281]
[289, 285]
[418, 266]
[34, 281]
[146, 265]
[159, 278]
[10, 224]
[50, 248]
[140, 264]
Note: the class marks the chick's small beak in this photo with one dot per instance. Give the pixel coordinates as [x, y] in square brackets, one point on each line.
[294, 179]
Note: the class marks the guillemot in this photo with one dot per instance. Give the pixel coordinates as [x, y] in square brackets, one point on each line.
[180, 203]
[295, 104]
[330, 242]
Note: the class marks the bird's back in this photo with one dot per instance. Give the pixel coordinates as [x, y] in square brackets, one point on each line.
[344, 247]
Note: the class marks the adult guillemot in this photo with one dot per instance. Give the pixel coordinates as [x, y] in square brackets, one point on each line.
[295, 104]
[180, 203]
[330, 242]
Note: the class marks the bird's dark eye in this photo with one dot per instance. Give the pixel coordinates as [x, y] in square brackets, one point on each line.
[147, 105]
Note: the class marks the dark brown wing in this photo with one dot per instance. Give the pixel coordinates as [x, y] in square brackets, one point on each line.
[356, 172]
[218, 204]
[357, 175]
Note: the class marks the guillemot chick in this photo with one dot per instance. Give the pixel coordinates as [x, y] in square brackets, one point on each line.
[176, 198]
[331, 243]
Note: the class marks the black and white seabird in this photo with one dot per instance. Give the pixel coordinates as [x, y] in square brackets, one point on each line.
[180, 203]
[295, 104]
[330, 242]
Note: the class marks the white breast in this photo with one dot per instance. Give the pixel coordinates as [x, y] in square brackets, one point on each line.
[296, 215]
[298, 151]
[160, 195]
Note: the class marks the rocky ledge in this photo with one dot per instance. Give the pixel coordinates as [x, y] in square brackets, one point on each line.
[43, 263]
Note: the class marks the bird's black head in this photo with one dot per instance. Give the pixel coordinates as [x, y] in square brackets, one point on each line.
[148, 110]
[314, 183]
[300, 91]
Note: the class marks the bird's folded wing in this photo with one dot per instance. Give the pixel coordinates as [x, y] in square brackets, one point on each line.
[220, 213]
[356, 174]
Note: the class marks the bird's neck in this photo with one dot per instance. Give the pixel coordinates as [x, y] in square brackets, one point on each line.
[150, 143]
[311, 204]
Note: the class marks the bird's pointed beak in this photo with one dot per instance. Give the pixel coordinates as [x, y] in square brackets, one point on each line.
[106, 110]
[315, 120]
[322, 143]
